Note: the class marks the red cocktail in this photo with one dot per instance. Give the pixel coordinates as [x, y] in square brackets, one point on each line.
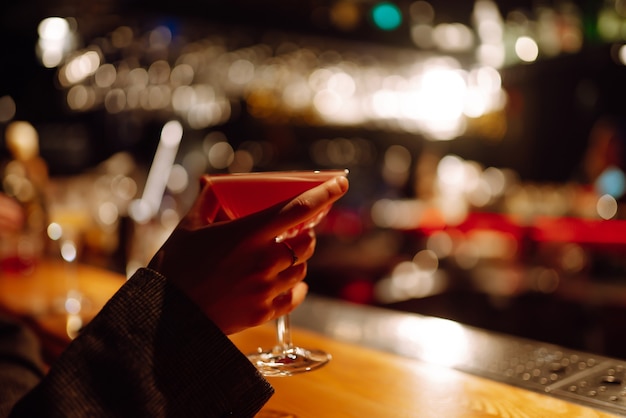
[243, 194]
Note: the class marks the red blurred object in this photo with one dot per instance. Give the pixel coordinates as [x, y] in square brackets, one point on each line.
[358, 291]
[596, 232]
[16, 264]
[580, 231]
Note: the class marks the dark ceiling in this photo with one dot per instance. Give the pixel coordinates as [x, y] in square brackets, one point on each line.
[545, 84]
[304, 16]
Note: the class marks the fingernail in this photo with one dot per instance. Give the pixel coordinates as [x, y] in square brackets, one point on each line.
[342, 182]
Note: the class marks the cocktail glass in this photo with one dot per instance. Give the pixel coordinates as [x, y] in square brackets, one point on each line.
[242, 194]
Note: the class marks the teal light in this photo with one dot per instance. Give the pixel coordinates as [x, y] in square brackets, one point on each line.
[386, 16]
[612, 181]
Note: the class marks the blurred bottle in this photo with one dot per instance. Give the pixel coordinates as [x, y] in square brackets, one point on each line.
[24, 178]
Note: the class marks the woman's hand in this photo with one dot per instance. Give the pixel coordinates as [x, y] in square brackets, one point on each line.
[235, 270]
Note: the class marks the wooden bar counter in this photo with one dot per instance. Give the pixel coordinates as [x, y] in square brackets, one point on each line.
[362, 380]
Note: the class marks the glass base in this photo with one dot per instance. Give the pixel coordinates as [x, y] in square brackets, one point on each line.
[295, 360]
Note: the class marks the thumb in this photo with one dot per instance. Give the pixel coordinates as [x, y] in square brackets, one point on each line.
[307, 205]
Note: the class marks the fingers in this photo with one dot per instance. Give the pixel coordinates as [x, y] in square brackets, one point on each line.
[288, 301]
[259, 307]
[277, 287]
[292, 254]
[287, 290]
[287, 279]
[281, 305]
[299, 248]
[280, 294]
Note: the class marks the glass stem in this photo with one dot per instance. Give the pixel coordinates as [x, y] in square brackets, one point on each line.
[283, 334]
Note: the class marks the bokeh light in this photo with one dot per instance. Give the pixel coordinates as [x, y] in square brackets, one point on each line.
[7, 108]
[56, 39]
[526, 49]
[386, 16]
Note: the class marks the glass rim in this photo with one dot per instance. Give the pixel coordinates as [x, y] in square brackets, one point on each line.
[339, 171]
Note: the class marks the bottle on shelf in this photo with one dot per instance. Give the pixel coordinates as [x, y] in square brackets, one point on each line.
[24, 178]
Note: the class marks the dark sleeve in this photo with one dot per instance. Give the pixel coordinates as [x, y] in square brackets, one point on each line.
[21, 367]
[150, 352]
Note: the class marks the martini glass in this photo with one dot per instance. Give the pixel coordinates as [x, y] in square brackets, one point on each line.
[242, 194]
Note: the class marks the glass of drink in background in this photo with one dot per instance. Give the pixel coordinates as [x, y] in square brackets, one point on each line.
[242, 194]
[68, 220]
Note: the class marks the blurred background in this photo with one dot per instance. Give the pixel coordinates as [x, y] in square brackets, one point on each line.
[485, 143]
